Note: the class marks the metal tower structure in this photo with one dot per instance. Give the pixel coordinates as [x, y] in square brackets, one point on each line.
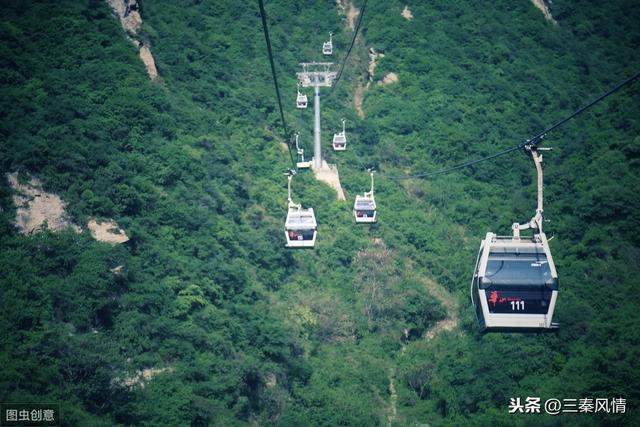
[316, 74]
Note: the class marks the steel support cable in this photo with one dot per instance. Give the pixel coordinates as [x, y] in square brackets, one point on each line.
[353, 41]
[536, 139]
[344, 62]
[531, 141]
[287, 137]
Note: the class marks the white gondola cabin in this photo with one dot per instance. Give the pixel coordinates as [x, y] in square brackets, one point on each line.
[300, 227]
[515, 285]
[340, 139]
[364, 208]
[327, 47]
[302, 164]
[301, 100]
[515, 282]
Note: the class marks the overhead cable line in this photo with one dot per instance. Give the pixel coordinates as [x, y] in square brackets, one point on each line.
[287, 136]
[535, 141]
[353, 41]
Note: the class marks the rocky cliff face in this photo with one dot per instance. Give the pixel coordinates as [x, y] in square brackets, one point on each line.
[128, 12]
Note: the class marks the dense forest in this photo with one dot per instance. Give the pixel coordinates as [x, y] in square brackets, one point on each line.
[204, 318]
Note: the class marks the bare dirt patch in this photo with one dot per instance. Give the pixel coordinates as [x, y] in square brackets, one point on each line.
[346, 8]
[540, 4]
[107, 231]
[149, 63]
[358, 99]
[390, 78]
[141, 377]
[35, 207]
[329, 175]
[128, 12]
[351, 12]
[406, 13]
[393, 398]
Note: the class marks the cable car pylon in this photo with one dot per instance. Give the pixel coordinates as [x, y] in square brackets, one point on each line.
[316, 75]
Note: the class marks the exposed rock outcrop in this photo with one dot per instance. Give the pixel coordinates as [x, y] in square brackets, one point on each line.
[542, 5]
[107, 231]
[329, 175]
[390, 78]
[128, 11]
[35, 207]
[149, 63]
[373, 62]
[406, 13]
[141, 377]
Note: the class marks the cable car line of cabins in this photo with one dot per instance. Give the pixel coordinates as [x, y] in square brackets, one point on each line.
[515, 283]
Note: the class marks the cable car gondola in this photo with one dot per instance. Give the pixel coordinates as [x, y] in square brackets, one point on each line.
[301, 99]
[340, 139]
[364, 208]
[515, 283]
[327, 47]
[300, 151]
[300, 228]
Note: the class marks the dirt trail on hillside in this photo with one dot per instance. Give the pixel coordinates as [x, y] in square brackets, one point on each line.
[347, 9]
[448, 300]
[393, 397]
[450, 304]
[450, 322]
[351, 12]
[358, 98]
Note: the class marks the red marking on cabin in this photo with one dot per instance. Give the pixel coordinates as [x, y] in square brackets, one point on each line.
[493, 299]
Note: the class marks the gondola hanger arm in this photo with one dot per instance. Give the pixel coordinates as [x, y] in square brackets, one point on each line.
[290, 173]
[536, 221]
